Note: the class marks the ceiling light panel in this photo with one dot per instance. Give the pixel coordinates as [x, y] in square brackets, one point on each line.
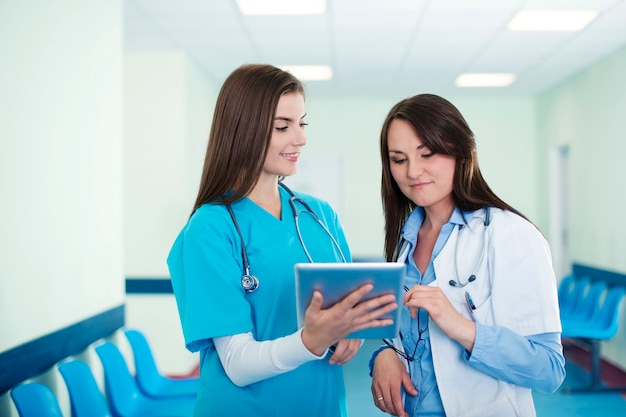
[551, 20]
[309, 72]
[281, 7]
[485, 80]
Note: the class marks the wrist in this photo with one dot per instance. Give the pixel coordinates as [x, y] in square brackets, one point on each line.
[311, 343]
[375, 355]
[466, 335]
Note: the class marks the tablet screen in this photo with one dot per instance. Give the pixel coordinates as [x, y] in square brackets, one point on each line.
[337, 280]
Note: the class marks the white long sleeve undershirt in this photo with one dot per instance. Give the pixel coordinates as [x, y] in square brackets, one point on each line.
[246, 360]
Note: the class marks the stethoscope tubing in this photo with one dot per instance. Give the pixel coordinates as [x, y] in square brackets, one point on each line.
[403, 252]
[483, 250]
[250, 282]
[292, 203]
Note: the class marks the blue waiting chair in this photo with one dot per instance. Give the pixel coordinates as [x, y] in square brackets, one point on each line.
[150, 380]
[86, 399]
[124, 397]
[589, 307]
[565, 287]
[570, 300]
[602, 327]
[33, 399]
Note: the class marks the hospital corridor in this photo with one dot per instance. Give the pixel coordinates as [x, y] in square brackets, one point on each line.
[172, 170]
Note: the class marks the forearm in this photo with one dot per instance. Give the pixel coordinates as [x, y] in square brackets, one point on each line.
[534, 361]
[246, 360]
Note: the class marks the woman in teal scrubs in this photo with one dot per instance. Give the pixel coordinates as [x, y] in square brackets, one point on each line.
[254, 360]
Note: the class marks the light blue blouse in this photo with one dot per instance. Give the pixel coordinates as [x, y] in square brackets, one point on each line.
[535, 361]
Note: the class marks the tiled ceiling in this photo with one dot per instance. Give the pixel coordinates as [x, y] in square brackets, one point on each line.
[382, 47]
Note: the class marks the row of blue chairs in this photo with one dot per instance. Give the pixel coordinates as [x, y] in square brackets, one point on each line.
[590, 312]
[147, 393]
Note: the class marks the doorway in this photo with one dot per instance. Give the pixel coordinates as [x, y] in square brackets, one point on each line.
[559, 211]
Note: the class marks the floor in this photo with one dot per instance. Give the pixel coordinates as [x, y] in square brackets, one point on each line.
[559, 404]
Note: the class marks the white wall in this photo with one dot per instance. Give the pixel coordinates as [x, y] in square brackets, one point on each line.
[349, 128]
[60, 165]
[587, 113]
[168, 107]
[168, 114]
[506, 139]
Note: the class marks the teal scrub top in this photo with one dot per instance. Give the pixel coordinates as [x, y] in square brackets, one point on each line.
[206, 266]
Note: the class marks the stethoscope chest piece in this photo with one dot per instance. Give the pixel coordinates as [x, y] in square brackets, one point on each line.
[249, 282]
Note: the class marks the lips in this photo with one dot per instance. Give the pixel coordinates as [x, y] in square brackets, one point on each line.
[291, 156]
[419, 185]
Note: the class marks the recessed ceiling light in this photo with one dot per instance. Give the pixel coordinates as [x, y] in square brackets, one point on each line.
[309, 72]
[485, 80]
[281, 7]
[552, 20]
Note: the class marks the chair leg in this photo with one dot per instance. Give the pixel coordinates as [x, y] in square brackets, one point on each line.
[595, 383]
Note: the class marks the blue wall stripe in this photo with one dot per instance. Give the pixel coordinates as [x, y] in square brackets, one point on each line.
[148, 286]
[152, 285]
[139, 285]
[37, 356]
[610, 277]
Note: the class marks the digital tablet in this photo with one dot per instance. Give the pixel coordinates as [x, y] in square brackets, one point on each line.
[337, 280]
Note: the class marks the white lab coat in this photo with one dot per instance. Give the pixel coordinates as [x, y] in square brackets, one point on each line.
[515, 288]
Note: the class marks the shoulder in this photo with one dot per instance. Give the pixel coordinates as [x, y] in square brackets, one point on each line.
[209, 225]
[208, 216]
[508, 224]
[502, 218]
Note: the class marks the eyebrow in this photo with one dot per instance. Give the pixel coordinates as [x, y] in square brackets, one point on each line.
[419, 148]
[422, 146]
[288, 119]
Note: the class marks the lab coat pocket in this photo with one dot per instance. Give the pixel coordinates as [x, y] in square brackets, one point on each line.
[473, 302]
[483, 311]
[459, 300]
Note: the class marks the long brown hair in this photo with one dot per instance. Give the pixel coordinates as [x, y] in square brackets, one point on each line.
[241, 131]
[443, 129]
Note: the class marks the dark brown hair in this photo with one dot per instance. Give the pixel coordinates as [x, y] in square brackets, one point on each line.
[241, 131]
[443, 129]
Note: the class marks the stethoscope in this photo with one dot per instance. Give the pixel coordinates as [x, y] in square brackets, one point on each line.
[483, 249]
[403, 252]
[250, 282]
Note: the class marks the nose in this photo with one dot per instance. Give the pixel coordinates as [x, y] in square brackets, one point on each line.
[300, 138]
[414, 168]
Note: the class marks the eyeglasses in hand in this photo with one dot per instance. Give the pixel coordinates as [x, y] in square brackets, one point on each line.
[420, 331]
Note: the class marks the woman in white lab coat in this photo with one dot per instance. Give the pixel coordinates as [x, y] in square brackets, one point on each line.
[480, 327]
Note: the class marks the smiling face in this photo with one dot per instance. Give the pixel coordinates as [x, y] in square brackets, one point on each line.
[288, 136]
[424, 177]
